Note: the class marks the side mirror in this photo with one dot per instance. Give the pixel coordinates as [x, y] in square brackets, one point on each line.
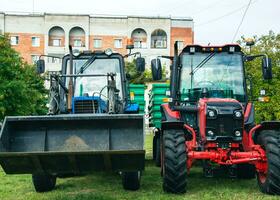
[266, 68]
[156, 69]
[40, 65]
[140, 64]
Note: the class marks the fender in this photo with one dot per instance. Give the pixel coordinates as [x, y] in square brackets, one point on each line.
[249, 117]
[266, 125]
[170, 119]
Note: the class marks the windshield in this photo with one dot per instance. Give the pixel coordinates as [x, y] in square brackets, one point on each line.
[95, 85]
[222, 75]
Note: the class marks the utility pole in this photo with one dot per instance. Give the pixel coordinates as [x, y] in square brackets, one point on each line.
[33, 6]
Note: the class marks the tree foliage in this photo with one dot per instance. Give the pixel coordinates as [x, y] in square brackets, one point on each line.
[22, 91]
[270, 45]
[139, 77]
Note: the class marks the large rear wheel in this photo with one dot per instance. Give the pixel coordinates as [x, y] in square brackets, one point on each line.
[174, 161]
[269, 182]
[43, 182]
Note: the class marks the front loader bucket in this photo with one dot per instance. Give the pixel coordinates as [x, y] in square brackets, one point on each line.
[72, 144]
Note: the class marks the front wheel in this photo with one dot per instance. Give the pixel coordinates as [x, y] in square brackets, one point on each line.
[269, 182]
[43, 182]
[174, 163]
[131, 180]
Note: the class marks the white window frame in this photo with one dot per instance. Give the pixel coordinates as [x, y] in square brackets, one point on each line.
[36, 39]
[14, 42]
[118, 45]
[138, 44]
[54, 44]
[99, 43]
[79, 44]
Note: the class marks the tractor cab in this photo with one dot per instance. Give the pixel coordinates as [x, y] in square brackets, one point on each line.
[91, 82]
[94, 74]
[212, 72]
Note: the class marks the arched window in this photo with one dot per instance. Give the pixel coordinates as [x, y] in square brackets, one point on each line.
[56, 36]
[159, 39]
[139, 37]
[77, 37]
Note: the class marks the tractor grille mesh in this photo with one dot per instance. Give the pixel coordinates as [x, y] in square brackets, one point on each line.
[224, 125]
[86, 106]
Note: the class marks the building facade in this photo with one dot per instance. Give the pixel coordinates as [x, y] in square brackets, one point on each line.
[33, 35]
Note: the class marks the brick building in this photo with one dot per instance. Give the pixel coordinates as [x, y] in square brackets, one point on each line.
[35, 34]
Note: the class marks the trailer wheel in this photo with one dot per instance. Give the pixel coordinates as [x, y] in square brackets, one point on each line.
[246, 171]
[158, 154]
[43, 182]
[174, 162]
[154, 147]
[270, 182]
[131, 180]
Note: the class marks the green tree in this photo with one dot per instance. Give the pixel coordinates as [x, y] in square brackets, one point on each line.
[139, 77]
[22, 90]
[270, 45]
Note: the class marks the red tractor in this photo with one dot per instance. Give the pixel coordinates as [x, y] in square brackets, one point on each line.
[209, 118]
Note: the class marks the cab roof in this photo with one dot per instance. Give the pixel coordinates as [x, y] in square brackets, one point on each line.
[231, 48]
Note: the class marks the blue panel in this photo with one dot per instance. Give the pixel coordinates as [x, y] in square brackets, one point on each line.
[101, 103]
[132, 108]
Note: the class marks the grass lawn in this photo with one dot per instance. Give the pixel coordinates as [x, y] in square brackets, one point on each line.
[103, 186]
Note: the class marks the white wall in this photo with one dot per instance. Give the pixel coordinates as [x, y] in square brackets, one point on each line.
[2, 23]
[24, 24]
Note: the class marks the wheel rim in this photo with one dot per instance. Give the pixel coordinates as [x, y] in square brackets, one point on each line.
[262, 177]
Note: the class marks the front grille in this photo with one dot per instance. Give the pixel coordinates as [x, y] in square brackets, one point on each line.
[86, 106]
[224, 124]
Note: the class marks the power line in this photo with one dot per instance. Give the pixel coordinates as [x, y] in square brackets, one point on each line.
[206, 8]
[243, 17]
[225, 15]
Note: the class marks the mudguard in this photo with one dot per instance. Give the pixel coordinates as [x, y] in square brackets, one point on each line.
[266, 125]
[170, 119]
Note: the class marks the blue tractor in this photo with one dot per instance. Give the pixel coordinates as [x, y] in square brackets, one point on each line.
[91, 125]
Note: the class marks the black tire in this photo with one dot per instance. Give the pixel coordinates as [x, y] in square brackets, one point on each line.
[43, 182]
[246, 171]
[174, 162]
[158, 154]
[154, 147]
[131, 180]
[270, 141]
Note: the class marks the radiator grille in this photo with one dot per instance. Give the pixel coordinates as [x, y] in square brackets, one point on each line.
[86, 106]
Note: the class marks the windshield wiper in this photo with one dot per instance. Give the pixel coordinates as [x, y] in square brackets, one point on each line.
[205, 60]
[87, 64]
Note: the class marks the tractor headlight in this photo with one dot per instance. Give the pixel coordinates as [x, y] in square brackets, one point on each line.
[76, 52]
[237, 133]
[108, 52]
[212, 114]
[210, 133]
[238, 114]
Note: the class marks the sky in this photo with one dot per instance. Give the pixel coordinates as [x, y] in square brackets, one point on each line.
[215, 21]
